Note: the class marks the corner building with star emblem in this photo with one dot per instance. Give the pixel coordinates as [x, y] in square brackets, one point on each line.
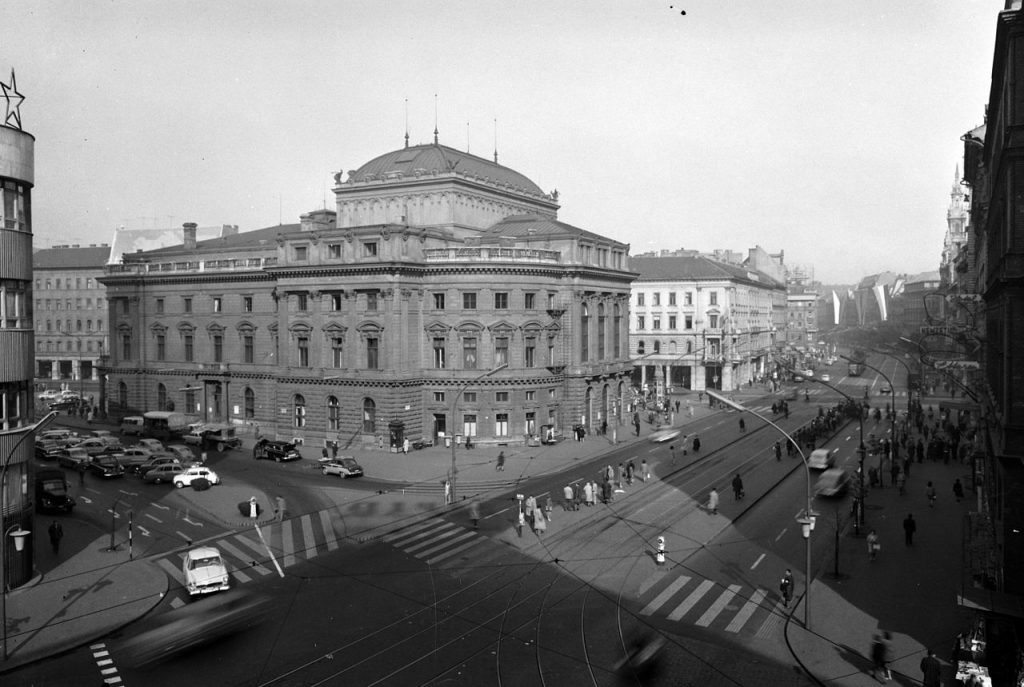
[441, 299]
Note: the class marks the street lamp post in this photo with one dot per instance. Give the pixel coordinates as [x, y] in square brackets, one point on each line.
[15, 530]
[808, 516]
[455, 402]
[892, 419]
[906, 367]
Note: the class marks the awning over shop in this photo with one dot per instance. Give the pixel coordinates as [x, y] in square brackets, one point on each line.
[991, 601]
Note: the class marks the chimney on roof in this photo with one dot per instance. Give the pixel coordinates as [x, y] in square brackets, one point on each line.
[228, 230]
[190, 235]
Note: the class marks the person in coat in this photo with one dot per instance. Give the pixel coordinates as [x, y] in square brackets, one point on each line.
[713, 501]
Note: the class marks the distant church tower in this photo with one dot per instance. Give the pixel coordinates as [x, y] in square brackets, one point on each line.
[956, 229]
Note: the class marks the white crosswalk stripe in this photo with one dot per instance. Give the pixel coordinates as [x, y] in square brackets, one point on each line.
[706, 604]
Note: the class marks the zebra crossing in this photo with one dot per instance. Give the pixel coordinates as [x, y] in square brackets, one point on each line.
[439, 542]
[254, 554]
[705, 603]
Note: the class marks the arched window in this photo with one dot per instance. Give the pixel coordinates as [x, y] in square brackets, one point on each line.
[369, 416]
[584, 333]
[249, 398]
[161, 397]
[333, 413]
[122, 394]
[299, 402]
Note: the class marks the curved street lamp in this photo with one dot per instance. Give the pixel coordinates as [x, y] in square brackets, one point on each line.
[808, 516]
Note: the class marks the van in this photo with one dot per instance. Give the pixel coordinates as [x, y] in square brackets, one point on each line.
[165, 425]
[132, 424]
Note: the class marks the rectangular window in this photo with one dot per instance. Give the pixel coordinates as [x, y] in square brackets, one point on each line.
[371, 300]
[303, 345]
[672, 323]
[551, 301]
[88, 282]
[500, 351]
[246, 303]
[126, 346]
[300, 252]
[671, 297]
[335, 302]
[438, 301]
[501, 397]
[688, 322]
[640, 324]
[531, 395]
[337, 357]
[369, 249]
[655, 323]
[124, 305]
[469, 425]
[190, 353]
[640, 300]
[218, 348]
[159, 306]
[713, 297]
[656, 298]
[334, 250]
[161, 347]
[713, 321]
[530, 352]
[439, 397]
[217, 304]
[531, 424]
[186, 304]
[469, 353]
[247, 348]
[529, 300]
[439, 361]
[469, 397]
[372, 353]
[302, 302]
[501, 300]
[501, 424]
[469, 301]
[552, 394]
[688, 298]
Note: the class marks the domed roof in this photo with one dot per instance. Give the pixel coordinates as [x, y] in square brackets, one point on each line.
[434, 157]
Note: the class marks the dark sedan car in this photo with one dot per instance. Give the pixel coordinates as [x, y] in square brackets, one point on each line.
[106, 466]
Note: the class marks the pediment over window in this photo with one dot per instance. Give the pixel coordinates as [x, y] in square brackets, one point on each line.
[300, 328]
[245, 326]
[334, 329]
[502, 327]
[368, 327]
[214, 328]
[438, 328]
[469, 327]
[186, 327]
[158, 328]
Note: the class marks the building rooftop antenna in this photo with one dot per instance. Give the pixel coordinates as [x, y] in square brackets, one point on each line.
[495, 140]
[435, 119]
[406, 122]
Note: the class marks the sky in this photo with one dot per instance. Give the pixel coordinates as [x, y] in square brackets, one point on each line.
[827, 130]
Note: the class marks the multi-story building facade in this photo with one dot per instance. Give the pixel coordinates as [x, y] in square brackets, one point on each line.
[443, 298]
[801, 318]
[17, 177]
[70, 317]
[700, 323]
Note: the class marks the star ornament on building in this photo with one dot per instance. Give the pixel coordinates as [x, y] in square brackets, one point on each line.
[13, 100]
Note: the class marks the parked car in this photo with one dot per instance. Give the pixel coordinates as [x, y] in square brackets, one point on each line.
[158, 462]
[193, 473]
[94, 446]
[210, 436]
[134, 456]
[204, 571]
[825, 378]
[65, 436]
[885, 389]
[343, 467]
[52, 491]
[833, 482]
[132, 424]
[48, 450]
[275, 450]
[49, 395]
[73, 457]
[663, 435]
[106, 466]
[165, 472]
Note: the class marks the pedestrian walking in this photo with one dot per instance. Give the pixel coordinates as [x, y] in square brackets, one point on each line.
[81, 474]
[713, 501]
[737, 487]
[500, 465]
[873, 546]
[930, 493]
[644, 470]
[630, 471]
[909, 527]
[540, 523]
[743, 426]
[567, 496]
[520, 523]
[778, 450]
[531, 508]
[958, 490]
[474, 514]
[323, 453]
[786, 588]
[548, 508]
[901, 482]
[621, 476]
[588, 494]
[56, 534]
[405, 446]
[931, 671]
[696, 443]
[879, 658]
[447, 492]
[672, 452]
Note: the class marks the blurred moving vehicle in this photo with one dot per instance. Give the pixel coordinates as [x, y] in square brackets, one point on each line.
[275, 450]
[663, 435]
[825, 378]
[198, 624]
[343, 467]
[193, 473]
[822, 458]
[833, 482]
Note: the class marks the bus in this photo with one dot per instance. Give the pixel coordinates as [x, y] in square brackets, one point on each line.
[856, 366]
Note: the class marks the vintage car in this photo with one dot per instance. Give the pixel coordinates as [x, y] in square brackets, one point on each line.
[204, 571]
[833, 482]
[275, 450]
[160, 474]
[105, 466]
[194, 473]
[209, 436]
[822, 459]
[343, 467]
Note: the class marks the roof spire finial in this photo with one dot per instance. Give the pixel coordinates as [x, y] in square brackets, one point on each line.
[495, 140]
[435, 119]
[406, 122]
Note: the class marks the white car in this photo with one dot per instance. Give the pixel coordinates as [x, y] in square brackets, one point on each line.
[663, 435]
[49, 395]
[822, 459]
[342, 467]
[204, 571]
[193, 473]
[825, 378]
